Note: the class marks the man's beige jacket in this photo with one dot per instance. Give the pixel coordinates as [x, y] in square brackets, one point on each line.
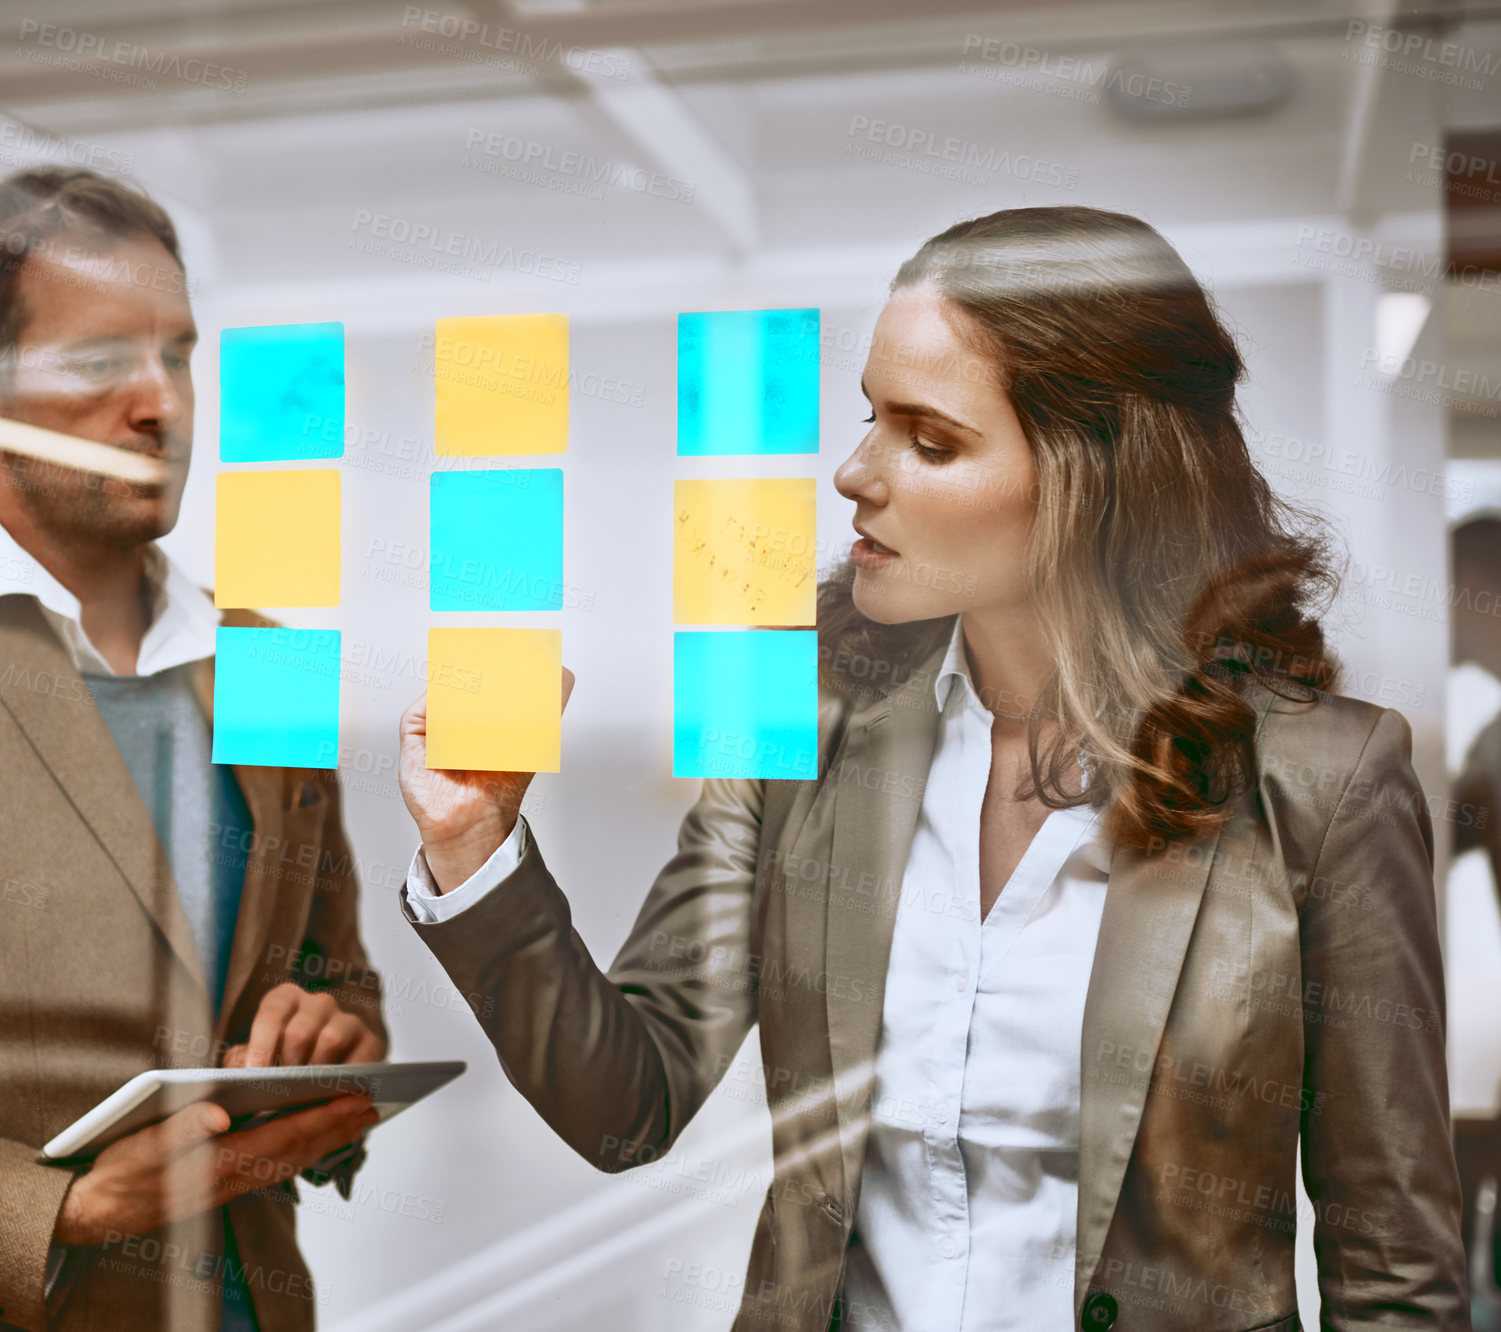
[1277, 980]
[99, 980]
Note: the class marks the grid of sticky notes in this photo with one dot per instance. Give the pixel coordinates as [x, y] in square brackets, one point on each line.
[277, 542]
[495, 693]
[745, 692]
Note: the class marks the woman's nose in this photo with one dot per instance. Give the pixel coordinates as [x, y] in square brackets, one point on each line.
[860, 475]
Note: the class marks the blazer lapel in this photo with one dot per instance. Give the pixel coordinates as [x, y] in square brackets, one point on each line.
[50, 703]
[1150, 909]
[1151, 905]
[888, 746]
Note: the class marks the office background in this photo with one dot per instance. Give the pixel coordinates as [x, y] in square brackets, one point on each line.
[620, 161]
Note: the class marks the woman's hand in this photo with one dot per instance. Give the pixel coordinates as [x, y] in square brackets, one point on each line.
[462, 816]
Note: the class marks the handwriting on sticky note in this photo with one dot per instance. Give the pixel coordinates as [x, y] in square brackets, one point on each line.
[742, 556]
[743, 551]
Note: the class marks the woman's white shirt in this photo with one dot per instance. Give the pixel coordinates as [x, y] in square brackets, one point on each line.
[969, 1189]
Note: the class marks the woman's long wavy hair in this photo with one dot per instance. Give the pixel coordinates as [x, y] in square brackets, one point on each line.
[1165, 571]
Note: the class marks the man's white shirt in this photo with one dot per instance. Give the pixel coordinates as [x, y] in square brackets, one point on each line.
[183, 616]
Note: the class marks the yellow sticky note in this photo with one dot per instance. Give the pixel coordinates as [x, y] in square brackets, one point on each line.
[276, 539]
[743, 552]
[495, 699]
[502, 385]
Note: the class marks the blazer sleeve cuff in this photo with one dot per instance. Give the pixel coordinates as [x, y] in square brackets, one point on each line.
[31, 1196]
[421, 900]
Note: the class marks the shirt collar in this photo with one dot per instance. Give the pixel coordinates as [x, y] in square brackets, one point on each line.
[953, 675]
[1091, 844]
[953, 671]
[183, 618]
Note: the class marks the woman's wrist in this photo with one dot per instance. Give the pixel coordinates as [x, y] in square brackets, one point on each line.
[455, 858]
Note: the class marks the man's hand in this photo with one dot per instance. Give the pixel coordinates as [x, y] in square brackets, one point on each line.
[462, 816]
[292, 1026]
[188, 1164]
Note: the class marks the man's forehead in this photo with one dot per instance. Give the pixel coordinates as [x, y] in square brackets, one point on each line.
[103, 288]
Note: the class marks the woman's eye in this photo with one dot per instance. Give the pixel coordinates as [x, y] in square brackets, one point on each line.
[927, 454]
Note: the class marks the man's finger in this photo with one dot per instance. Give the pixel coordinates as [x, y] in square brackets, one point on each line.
[186, 1129]
[293, 1142]
[567, 686]
[369, 1049]
[339, 1134]
[301, 1032]
[270, 1019]
[339, 1036]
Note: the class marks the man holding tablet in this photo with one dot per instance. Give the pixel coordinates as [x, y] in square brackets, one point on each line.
[156, 910]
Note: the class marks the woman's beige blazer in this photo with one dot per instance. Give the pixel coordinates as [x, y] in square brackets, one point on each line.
[1276, 982]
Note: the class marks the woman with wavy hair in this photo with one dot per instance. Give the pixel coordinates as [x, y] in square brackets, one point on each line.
[1103, 903]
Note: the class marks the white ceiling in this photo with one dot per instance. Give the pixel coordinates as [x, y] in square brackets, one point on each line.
[342, 113]
[345, 119]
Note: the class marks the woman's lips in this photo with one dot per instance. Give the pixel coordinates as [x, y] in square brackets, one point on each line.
[868, 554]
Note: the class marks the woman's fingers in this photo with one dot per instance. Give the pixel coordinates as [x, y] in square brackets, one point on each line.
[414, 719]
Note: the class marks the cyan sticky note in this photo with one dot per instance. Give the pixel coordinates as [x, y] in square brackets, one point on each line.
[497, 540]
[748, 382]
[745, 703]
[276, 697]
[281, 392]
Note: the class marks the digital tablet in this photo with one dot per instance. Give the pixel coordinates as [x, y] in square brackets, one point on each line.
[251, 1095]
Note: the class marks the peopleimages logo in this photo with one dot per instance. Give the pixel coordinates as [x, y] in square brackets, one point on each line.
[1404, 267]
[20, 142]
[1461, 380]
[464, 31]
[1416, 53]
[1032, 67]
[500, 154]
[445, 250]
[92, 53]
[924, 150]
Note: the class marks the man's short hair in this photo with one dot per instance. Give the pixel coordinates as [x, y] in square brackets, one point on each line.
[41, 203]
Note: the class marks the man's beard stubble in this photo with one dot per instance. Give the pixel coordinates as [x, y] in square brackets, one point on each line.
[76, 506]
